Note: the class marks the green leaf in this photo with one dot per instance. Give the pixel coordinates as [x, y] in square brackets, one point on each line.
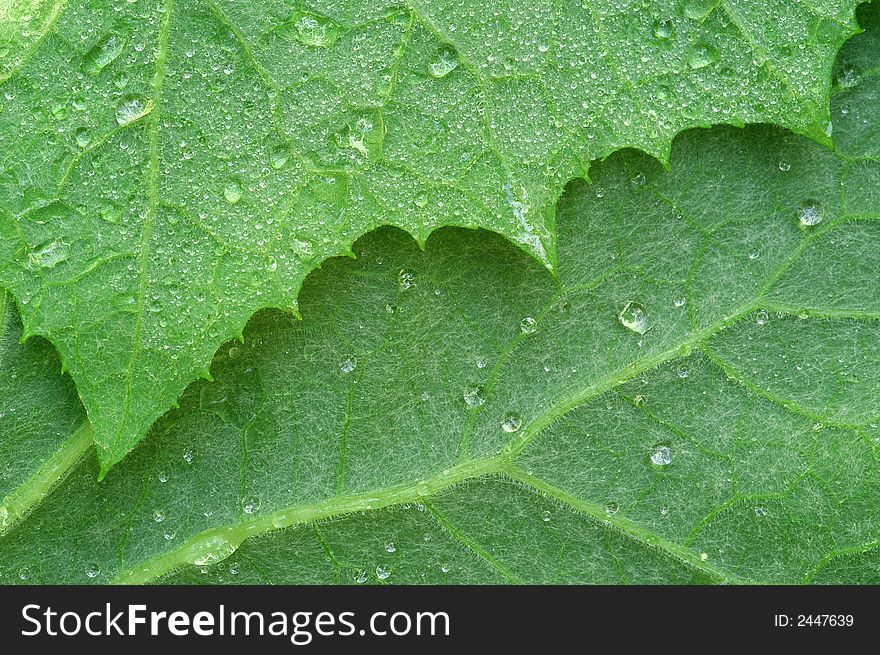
[169, 170]
[416, 426]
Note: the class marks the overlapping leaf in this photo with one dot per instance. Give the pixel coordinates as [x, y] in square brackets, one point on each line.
[171, 167]
[694, 399]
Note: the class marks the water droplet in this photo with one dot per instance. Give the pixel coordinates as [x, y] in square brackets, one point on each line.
[511, 422]
[251, 504]
[163, 477]
[445, 568]
[480, 362]
[188, 454]
[110, 213]
[680, 302]
[702, 56]
[421, 199]
[212, 550]
[93, 571]
[390, 547]
[444, 63]
[348, 365]
[4, 516]
[760, 511]
[169, 535]
[103, 53]
[278, 157]
[83, 137]
[810, 215]
[131, 108]
[528, 325]
[316, 31]
[683, 373]
[784, 166]
[361, 577]
[703, 557]
[662, 456]
[473, 395]
[159, 516]
[754, 254]
[699, 9]
[634, 317]
[49, 255]
[545, 516]
[382, 572]
[848, 79]
[405, 280]
[662, 29]
[761, 317]
[232, 192]
[24, 573]
[612, 508]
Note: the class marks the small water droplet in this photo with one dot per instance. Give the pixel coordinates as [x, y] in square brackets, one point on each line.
[703, 557]
[348, 365]
[810, 215]
[754, 254]
[699, 9]
[761, 317]
[390, 547]
[848, 79]
[251, 504]
[159, 516]
[163, 477]
[634, 317]
[511, 422]
[661, 456]
[382, 572]
[405, 280]
[278, 157]
[760, 511]
[93, 571]
[316, 31]
[612, 508]
[421, 199]
[683, 373]
[473, 395]
[528, 325]
[188, 456]
[784, 166]
[24, 573]
[444, 63]
[232, 192]
[131, 108]
[213, 550]
[545, 516]
[361, 577]
[110, 213]
[103, 53]
[445, 568]
[680, 302]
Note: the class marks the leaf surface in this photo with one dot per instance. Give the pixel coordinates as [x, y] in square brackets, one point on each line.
[170, 168]
[416, 426]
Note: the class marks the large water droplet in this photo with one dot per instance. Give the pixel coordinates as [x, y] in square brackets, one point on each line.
[444, 62]
[278, 157]
[761, 317]
[316, 31]
[702, 56]
[93, 571]
[251, 504]
[699, 9]
[528, 325]
[131, 108]
[159, 516]
[83, 137]
[103, 53]
[662, 456]
[347, 365]
[49, 255]
[215, 549]
[810, 215]
[511, 422]
[473, 395]
[382, 572]
[545, 517]
[662, 30]
[390, 547]
[634, 317]
[405, 280]
[361, 577]
[232, 192]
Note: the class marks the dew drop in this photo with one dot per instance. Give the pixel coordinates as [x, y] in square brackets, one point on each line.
[382, 572]
[421, 199]
[169, 535]
[528, 325]
[93, 571]
[110, 213]
[511, 422]
[545, 517]
[163, 477]
[361, 577]
[24, 573]
[761, 317]
[810, 215]
[661, 456]
[760, 511]
[680, 302]
[405, 280]
[251, 504]
[103, 53]
[214, 549]
[159, 516]
[278, 157]
[316, 31]
[390, 547]
[699, 9]
[131, 108]
[49, 255]
[704, 557]
[702, 56]
[634, 317]
[784, 166]
[445, 568]
[188, 453]
[444, 63]
[662, 29]
[683, 373]
[473, 395]
[348, 365]
[232, 192]
[753, 255]
[82, 136]
[612, 508]
[848, 79]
